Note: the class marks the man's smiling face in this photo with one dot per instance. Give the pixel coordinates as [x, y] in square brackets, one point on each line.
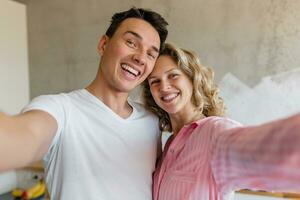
[128, 57]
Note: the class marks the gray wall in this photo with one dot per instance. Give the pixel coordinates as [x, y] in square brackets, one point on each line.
[249, 38]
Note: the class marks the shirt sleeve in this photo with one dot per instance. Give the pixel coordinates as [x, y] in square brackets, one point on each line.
[265, 157]
[53, 105]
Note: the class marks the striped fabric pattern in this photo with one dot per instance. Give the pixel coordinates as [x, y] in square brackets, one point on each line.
[212, 157]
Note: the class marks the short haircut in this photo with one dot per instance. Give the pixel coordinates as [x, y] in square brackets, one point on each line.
[153, 18]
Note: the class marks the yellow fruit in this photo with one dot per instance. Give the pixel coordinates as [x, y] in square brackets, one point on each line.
[17, 192]
[39, 192]
[35, 191]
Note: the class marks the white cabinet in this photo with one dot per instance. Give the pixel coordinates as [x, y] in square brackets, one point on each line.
[14, 83]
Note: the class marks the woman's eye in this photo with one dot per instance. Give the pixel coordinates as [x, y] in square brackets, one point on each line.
[174, 75]
[154, 82]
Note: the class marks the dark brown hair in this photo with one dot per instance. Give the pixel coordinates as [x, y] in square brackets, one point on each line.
[153, 18]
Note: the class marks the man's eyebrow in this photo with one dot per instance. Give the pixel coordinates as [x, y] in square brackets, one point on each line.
[134, 33]
[140, 38]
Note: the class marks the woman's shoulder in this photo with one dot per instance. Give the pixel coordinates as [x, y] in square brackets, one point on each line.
[218, 123]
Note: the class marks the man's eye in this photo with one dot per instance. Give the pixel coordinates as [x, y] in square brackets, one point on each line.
[152, 56]
[130, 43]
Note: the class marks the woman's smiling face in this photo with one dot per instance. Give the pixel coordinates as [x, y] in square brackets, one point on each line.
[171, 89]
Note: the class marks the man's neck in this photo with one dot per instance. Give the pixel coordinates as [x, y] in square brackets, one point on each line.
[115, 100]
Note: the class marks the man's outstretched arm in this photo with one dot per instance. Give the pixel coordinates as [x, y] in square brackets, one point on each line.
[25, 138]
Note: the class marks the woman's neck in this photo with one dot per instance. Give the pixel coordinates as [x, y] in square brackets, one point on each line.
[180, 120]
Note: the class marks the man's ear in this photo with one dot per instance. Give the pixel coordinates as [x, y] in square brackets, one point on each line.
[102, 44]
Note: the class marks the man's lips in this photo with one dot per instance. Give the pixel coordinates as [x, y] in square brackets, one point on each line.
[130, 69]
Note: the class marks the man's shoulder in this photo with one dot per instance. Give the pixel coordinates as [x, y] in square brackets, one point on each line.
[137, 105]
[62, 96]
[141, 110]
[52, 100]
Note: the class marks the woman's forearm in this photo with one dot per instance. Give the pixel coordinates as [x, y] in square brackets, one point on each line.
[266, 156]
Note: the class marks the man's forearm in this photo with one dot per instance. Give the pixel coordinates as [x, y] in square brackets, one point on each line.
[25, 138]
[7, 146]
[14, 151]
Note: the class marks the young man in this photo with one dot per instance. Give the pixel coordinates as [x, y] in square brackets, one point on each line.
[94, 142]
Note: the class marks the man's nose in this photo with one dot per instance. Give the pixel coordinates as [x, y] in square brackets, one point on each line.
[139, 58]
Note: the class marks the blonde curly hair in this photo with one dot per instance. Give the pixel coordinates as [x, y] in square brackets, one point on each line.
[205, 92]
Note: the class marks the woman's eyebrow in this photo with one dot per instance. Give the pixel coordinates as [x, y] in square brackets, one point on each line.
[166, 72]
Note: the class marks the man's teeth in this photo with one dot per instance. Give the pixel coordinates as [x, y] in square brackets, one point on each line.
[130, 69]
[169, 97]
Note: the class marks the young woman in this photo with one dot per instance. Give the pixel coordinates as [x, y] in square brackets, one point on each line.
[209, 156]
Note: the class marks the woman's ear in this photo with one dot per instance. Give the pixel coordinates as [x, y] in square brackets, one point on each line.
[102, 44]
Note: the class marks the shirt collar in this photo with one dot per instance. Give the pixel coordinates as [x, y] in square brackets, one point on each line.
[199, 122]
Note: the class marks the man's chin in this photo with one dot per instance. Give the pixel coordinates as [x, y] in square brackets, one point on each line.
[128, 87]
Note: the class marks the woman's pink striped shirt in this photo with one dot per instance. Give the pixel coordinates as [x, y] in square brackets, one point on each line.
[212, 157]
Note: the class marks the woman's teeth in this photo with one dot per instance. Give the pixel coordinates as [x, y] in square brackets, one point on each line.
[169, 97]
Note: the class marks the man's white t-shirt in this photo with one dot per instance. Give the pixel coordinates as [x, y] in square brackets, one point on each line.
[96, 154]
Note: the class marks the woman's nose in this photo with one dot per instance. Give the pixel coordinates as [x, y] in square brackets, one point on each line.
[165, 85]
